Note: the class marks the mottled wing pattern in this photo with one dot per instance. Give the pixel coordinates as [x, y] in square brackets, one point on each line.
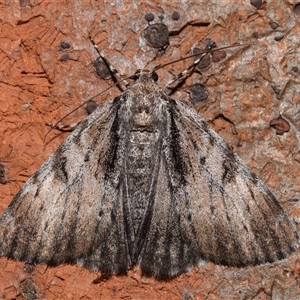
[144, 180]
[71, 210]
[215, 208]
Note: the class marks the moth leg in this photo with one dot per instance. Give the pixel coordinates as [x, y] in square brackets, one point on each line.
[184, 72]
[64, 128]
[194, 64]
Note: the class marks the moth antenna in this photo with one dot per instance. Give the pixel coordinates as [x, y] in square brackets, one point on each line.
[113, 70]
[127, 85]
[194, 64]
[55, 126]
[196, 54]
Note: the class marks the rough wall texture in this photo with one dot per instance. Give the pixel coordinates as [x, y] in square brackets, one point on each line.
[42, 79]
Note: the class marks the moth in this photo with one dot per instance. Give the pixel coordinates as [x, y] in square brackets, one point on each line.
[145, 181]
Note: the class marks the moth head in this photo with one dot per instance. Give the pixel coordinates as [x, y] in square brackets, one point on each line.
[145, 74]
[143, 95]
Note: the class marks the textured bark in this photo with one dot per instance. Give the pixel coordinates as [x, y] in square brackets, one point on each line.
[47, 69]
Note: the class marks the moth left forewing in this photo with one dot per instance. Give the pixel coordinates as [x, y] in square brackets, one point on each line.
[227, 214]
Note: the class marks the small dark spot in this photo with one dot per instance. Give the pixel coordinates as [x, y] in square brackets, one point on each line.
[91, 107]
[280, 125]
[64, 57]
[161, 17]
[175, 16]
[29, 268]
[149, 17]
[3, 178]
[205, 61]
[102, 70]
[61, 172]
[29, 289]
[279, 37]
[275, 89]
[295, 69]
[104, 277]
[202, 160]
[293, 199]
[228, 172]
[198, 93]
[256, 3]
[218, 55]
[296, 9]
[157, 35]
[209, 44]
[273, 25]
[154, 76]
[24, 3]
[87, 157]
[64, 45]
[255, 34]
[239, 144]
[245, 228]
[113, 217]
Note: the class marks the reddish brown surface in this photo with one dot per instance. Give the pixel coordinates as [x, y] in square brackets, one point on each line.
[37, 87]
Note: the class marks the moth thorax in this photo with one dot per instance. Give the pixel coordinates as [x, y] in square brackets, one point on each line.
[143, 114]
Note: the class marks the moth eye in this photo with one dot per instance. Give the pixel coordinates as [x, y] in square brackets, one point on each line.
[136, 75]
[154, 76]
